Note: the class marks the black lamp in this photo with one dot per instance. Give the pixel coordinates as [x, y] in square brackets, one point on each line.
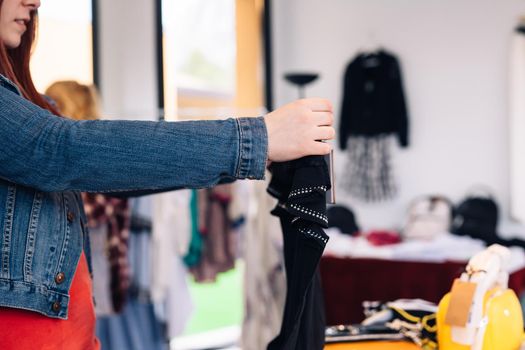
[301, 79]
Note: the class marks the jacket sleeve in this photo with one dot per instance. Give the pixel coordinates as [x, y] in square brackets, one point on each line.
[49, 153]
[344, 121]
[399, 109]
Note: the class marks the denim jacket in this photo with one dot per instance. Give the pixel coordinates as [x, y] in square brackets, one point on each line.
[46, 160]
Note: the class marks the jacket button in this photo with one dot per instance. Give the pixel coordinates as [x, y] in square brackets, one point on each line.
[70, 216]
[60, 277]
[56, 306]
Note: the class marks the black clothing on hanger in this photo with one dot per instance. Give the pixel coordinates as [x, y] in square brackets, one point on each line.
[373, 99]
[300, 186]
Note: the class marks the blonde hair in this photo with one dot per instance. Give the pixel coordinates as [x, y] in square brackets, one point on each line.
[74, 100]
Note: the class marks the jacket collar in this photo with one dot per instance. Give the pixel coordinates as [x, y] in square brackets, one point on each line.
[8, 84]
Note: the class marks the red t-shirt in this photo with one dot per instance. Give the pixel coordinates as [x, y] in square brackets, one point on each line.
[21, 329]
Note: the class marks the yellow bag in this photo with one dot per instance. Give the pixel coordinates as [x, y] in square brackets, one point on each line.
[501, 327]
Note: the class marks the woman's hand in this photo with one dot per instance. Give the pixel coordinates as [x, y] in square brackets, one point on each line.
[295, 129]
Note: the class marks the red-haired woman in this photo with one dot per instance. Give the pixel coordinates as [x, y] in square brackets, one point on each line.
[45, 160]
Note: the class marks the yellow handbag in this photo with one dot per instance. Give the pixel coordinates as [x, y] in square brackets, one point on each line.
[494, 319]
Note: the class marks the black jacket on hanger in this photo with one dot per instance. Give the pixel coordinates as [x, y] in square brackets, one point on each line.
[300, 186]
[373, 98]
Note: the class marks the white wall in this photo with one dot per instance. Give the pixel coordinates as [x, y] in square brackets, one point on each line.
[454, 56]
[127, 59]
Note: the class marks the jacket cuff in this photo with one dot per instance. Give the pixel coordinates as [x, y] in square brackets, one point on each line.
[253, 148]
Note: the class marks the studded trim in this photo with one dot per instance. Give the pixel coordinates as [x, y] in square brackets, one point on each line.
[310, 212]
[306, 190]
[313, 234]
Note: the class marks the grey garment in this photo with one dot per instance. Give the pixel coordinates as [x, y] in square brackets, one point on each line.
[264, 277]
[368, 175]
[140, 245]
[101, 272]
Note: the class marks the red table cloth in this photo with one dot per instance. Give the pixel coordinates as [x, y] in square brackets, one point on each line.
[347, 282]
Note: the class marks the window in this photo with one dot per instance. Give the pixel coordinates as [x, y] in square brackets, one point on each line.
[199, 53]
[65, 39]
[212, 65]
[201, 44]
[211, 58]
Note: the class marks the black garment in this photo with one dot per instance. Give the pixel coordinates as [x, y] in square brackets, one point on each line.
[300, 186]
[342, 218]
[373, 99]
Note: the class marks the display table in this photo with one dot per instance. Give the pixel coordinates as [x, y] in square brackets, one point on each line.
[347, 282]
[377, 345]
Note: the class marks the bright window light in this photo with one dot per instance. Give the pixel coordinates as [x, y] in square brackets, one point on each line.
[64, 49]
[200, 42]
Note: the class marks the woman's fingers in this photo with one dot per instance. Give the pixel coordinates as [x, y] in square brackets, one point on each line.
[317, 104]
[317, 148]
[324, 133]
[323, 118]
[294, 130]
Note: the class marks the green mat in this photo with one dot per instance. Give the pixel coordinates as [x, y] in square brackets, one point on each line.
[219, 304]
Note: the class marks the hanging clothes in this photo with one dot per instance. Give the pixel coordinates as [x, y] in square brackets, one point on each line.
[264, 274]
[239, 208]
[140, 252]
[373, 98]
[517, 123]
[170, 237]
[373, 107]
[112, 214]
[178, 307]
[193, 256]
[170, 243]
[219, 239]
[136, 327]
[101, 269]
[300, 186]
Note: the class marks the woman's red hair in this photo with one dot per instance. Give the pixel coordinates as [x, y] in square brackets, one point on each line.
[14, 64]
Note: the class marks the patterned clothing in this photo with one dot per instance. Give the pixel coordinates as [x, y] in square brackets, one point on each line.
[369, 173]
[114, 213]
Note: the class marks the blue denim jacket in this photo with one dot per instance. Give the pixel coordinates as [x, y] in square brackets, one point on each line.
[46, 160]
